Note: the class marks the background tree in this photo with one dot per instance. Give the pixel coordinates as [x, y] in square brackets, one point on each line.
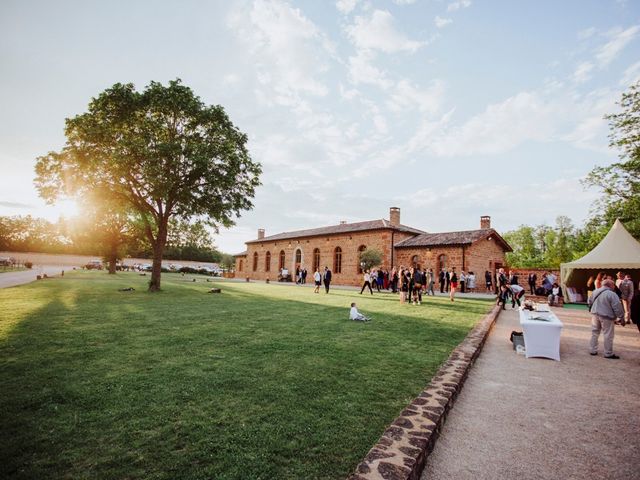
[620, 182]
[162, 152]
[370, 258]
[105, 226]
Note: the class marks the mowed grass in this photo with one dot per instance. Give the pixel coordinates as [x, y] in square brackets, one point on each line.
[258, 382]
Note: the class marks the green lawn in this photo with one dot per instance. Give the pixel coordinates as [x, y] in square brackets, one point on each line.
[259, 382]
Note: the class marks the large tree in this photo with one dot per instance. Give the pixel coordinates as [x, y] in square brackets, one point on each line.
[620, 182]
[162, 152]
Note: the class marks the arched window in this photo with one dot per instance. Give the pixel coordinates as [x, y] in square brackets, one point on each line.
[267, 262]
[282, 260]
[316, 259]
[255, 261]
[298, 256]
[337, 260]
[442, 262]
[240, 266]
[361, 249]
[415, 261]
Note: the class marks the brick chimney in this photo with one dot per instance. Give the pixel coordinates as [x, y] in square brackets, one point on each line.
[394, 216]
[260, 233]
[485, 221]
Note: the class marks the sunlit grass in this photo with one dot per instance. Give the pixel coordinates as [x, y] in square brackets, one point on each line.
[261, 381]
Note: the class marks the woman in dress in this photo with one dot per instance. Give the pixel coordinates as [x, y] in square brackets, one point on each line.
[454, 283]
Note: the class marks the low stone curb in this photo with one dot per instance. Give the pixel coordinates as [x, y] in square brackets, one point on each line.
[402, 451]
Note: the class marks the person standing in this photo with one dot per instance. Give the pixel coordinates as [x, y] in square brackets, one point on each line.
[453, 283]
[471, 282]
[431, 280]
[304, 276]
[317, 278]
[463, 281]
[487, 280]
[626, 291]
[513, 278]
[447, 280]
[327, 279]
[441, 280]
[605, 307]
[404, 287]
[367, 282]
[417, 286]
[531, 280]
[394, 280]
[379, 279]
[634, 309]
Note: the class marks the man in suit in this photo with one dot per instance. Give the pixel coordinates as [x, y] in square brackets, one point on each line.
[441, 280]
[513, 278]
[532, 282]
[327, 279]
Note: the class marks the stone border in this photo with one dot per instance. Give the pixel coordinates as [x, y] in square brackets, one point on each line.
[402, 451]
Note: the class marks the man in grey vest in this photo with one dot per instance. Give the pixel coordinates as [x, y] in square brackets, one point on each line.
[605, 308]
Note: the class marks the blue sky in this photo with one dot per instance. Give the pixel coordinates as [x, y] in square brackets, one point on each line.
[447, 109]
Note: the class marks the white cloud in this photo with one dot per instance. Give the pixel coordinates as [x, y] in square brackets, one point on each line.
[631, 75]
[362, 71]
[407, 96]
[404, 2]
[587, 33]
[583, 72]
[291, 54]
[346, 6]
[452, 7]
[619, 39]
[378, 32]
[381, 124]
[442, 22]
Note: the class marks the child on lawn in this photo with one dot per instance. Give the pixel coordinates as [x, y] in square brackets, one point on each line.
[354, 314]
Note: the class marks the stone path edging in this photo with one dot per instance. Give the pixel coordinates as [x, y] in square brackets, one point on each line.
[402, 451]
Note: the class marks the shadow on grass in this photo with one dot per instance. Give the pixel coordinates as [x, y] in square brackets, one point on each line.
[187, 385]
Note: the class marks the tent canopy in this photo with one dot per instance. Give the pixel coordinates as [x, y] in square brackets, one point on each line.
[617, 251]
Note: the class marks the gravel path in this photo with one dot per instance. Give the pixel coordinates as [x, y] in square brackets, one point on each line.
[519, 418]
[12, 279]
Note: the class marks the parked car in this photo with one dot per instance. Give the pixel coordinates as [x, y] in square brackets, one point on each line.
[6, 261]
[94, 265]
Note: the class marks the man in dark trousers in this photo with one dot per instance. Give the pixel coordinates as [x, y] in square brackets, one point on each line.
[327, 279]
[532, 282]
[441, 280]
[513, 278]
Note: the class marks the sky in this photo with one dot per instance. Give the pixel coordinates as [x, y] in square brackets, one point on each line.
[448, 109]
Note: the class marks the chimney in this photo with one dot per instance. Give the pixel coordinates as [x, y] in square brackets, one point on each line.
[260, 233]
[394, 216]
[485, 221]
[343, 222]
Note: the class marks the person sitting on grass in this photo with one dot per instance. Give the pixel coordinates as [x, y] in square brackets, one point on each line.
[354, 314]
[503, 296]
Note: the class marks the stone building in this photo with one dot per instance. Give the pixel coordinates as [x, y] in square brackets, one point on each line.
[338, 247]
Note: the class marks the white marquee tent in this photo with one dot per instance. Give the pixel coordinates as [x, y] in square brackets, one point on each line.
[617, 251]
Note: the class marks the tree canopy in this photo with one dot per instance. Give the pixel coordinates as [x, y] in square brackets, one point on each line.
[162, 152]
[620, 182]
[370, 258]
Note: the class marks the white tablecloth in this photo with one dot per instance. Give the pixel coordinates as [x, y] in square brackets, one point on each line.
[541, 339]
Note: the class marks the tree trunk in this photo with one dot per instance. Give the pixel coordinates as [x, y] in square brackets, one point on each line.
[158, 250]
[113, 258]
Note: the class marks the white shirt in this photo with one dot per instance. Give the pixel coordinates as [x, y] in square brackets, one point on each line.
[516, 288]
[353, 314]
[316, 276]
[367, 277]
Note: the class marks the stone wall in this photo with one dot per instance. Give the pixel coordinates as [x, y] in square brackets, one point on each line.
[349, 243]
[482, 255]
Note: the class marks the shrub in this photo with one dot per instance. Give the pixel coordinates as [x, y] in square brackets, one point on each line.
[28, 265]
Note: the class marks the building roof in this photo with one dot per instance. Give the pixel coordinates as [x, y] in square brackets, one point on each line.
[466, 237]
[241, 254]
[381, 224]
